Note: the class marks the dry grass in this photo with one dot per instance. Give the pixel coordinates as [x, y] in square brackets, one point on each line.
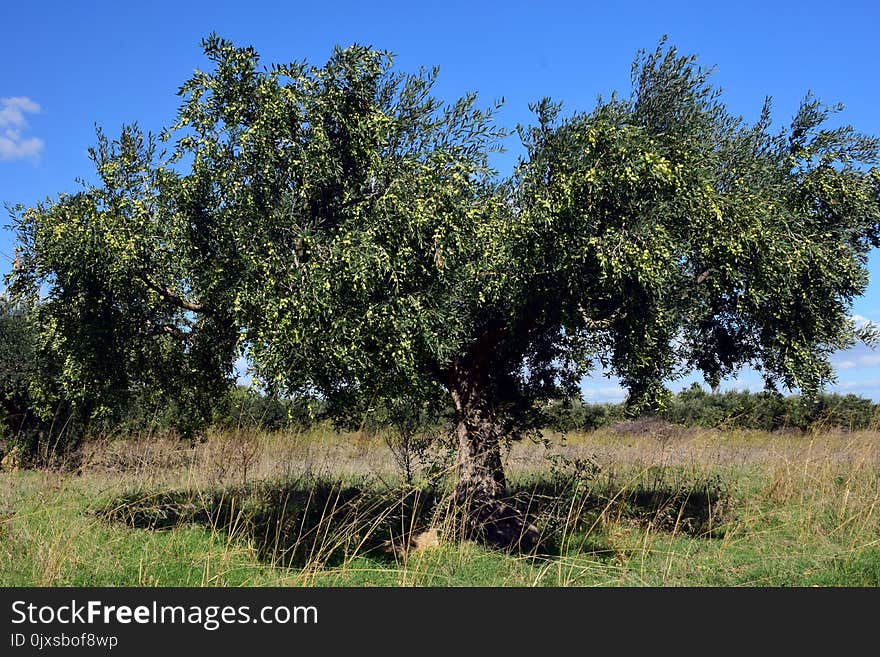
[678, 446]
[643, 506]
[241, 456]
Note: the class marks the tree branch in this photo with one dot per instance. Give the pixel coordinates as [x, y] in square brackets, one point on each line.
[172, 297]
[168, 329]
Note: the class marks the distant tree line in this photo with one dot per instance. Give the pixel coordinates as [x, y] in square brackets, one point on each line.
[247, 408]
[734, 409]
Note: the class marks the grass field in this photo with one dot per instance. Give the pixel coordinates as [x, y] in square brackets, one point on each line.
[633, 506]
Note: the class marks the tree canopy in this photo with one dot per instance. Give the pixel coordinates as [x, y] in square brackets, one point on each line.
[342, 228]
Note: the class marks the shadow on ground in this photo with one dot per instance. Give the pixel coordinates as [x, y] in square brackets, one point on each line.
[319, 523]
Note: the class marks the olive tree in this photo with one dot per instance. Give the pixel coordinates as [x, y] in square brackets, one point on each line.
[16, 372]
[342, 227]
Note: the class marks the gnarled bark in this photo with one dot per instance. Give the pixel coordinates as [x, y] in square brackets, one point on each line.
[481, 487]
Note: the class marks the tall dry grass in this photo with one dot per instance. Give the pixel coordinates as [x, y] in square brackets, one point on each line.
[651, 504]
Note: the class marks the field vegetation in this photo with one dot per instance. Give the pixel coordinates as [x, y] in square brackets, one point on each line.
[638, 503]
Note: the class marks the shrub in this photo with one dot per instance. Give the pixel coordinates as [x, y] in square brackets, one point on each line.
[247, 408]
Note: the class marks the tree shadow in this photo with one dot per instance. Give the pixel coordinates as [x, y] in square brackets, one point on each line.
[572, 516]
[314, 523]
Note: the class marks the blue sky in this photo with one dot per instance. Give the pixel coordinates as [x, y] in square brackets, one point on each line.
[68, 66]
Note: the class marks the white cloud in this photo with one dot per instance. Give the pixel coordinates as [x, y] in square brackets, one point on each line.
[13, 144]
[859, 357]
[869, 361]
[604, 393]
[12, 110]
[862, 321]
[867, 384]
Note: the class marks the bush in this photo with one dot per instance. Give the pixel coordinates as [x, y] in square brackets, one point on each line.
[577, 415]
[246, 408]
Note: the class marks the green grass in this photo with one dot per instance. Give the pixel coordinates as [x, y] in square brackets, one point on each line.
[785, 511]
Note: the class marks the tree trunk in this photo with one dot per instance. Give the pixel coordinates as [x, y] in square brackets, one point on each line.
[481, 488]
